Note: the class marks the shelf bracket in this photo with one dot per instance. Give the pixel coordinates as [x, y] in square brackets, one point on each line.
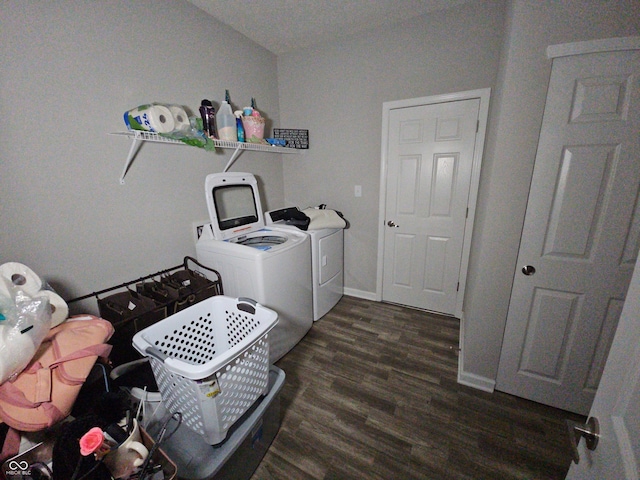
[233, 158]
[133, 151]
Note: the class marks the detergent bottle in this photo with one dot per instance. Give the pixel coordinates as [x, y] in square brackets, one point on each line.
[226, 121]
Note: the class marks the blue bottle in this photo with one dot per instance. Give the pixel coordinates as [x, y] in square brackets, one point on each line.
[239, 125]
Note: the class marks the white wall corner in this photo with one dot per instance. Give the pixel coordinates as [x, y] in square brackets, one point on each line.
[471, 379]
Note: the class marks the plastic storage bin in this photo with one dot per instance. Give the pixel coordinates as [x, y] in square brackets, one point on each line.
[241, 453]
[211, 361]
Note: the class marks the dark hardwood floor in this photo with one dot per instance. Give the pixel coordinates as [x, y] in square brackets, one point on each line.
[371, 393]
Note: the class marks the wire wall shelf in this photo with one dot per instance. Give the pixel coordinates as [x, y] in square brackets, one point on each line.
[138, 137]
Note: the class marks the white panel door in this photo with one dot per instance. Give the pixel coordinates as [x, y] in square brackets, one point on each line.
[429, 168]
[617, 403]
[580, 240]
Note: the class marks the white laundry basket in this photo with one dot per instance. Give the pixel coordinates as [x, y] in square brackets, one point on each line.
[211, 361]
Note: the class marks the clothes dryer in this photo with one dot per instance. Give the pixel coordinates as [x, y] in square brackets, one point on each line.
[271, 265]
[327, 261]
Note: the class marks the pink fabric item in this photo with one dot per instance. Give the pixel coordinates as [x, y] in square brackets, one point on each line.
[44, 393]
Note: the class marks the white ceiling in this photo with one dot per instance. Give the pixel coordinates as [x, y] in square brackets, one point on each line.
[285, 25]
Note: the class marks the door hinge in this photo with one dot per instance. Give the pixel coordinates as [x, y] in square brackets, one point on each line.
[458, 287]
[466, 215]
[477, 126]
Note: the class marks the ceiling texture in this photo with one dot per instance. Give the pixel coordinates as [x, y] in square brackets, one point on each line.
[282, 26]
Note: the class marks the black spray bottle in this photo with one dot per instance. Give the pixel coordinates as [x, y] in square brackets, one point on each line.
[208, 114]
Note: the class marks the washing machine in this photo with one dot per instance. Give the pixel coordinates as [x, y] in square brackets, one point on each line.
[269, 264]
[327, 260]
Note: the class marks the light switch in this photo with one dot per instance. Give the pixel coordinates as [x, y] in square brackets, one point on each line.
[358, 190]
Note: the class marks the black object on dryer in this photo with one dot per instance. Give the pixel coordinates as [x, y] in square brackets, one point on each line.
[291, 216]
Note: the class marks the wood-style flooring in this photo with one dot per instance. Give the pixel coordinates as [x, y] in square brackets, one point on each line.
[371, 393]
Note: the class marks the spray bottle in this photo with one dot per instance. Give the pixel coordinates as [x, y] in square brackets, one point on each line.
[239, 126]
[208, 114]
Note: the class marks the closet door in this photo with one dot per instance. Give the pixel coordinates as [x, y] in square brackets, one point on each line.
[580, 237]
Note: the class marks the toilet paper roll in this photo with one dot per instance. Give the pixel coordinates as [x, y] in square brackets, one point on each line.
[59, 308]
[180, 117]
[152, 118]
[19, 276]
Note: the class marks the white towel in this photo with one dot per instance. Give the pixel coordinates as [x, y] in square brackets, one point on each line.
[323, 218]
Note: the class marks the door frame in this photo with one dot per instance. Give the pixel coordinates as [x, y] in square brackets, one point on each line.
[483, 95]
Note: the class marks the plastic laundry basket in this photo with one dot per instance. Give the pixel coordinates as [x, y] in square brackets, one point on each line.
[211, 361]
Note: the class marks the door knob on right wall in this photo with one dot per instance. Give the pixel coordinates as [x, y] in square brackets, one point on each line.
[590, 431]
[528, 270]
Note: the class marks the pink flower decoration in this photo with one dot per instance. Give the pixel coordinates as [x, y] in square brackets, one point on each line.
[91, 441]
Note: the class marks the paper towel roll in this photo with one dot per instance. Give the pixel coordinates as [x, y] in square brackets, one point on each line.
[161, 119]
[17, 275]
[180, 117]
[153, 118]
[59, 308]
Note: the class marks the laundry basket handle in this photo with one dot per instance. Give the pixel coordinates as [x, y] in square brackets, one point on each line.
[247, 305]
[156, 353]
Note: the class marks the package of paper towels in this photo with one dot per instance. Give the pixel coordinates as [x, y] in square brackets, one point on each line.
[17, 278]
[25, 317]
[157, 118]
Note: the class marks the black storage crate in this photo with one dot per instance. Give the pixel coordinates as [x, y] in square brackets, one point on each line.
[155, 297]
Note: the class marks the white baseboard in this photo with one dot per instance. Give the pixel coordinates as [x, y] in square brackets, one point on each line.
[471, 379]
[476, 381]
[352, 292]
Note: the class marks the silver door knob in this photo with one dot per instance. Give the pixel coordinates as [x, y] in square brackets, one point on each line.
[528, 270]
[590, 431]
[391, 223]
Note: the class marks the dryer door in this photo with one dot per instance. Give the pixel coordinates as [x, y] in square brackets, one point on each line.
[330, 256]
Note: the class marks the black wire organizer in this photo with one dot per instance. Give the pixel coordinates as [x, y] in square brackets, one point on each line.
[154, 298]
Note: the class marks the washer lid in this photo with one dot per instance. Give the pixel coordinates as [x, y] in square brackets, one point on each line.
[234, 205]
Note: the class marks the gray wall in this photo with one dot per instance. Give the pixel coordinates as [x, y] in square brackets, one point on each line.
[69, 71]
[337, 91]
